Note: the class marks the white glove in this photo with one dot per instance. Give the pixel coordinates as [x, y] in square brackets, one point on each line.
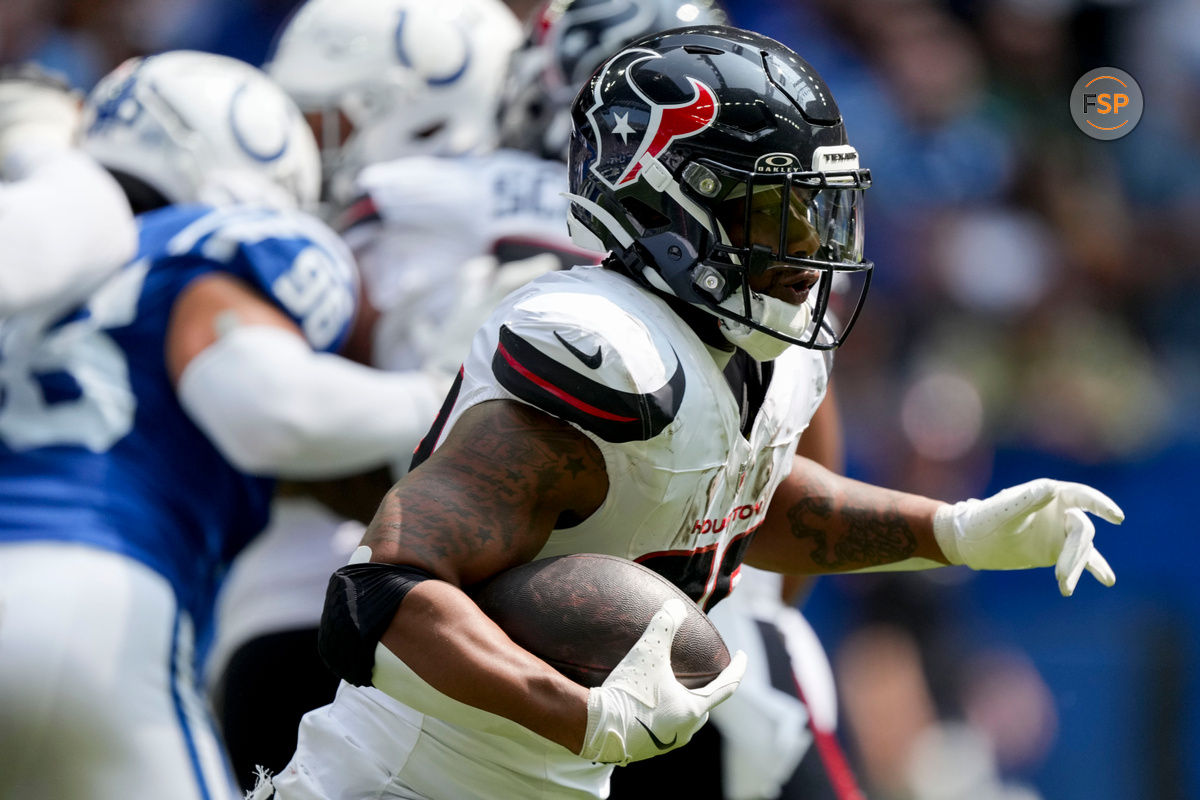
[36, 117]
[641, 710]
[1036, 524]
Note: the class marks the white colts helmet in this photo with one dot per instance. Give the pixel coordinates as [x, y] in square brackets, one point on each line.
[409, 77]
[196, 127]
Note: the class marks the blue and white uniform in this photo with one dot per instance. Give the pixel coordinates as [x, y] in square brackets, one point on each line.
[119, 518]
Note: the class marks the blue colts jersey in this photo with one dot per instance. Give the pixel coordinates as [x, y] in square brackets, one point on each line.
[94, 445]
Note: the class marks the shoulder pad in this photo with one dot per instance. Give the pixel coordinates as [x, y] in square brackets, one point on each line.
[579, 355]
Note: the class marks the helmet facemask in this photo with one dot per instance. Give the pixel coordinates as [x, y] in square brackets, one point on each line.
[566, 42]
[780, 247]
[534, 108]
[770, 268]
[373, 121]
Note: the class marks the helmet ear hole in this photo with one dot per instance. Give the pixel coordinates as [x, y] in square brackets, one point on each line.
[430, 131]
[649, 219]
[142, 196]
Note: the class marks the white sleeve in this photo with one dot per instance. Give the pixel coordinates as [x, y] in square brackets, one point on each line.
[273, 406]
[64, 227]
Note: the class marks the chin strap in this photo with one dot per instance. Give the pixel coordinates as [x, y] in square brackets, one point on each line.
[770, 312]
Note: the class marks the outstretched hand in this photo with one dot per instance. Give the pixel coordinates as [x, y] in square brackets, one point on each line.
[641, 710]
[1037, 524]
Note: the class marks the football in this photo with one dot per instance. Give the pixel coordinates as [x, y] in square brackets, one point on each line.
[581, 613]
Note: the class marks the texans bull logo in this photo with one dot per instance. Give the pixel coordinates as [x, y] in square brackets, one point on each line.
[628, 133]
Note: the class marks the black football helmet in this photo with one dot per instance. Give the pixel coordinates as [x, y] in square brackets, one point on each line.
[566, 41]
[713, 162]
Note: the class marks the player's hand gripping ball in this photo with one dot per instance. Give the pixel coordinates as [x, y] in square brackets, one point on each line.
[582, 613]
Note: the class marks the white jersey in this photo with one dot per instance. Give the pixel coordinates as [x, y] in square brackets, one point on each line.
[787, 698]
[686, 489]
[421, 219]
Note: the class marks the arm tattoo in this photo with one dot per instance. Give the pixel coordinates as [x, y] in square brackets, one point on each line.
[846, 534]
[476, 498]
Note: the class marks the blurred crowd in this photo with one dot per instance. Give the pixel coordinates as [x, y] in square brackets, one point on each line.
[1034, 302]
[1034, 299]
[1033, 282]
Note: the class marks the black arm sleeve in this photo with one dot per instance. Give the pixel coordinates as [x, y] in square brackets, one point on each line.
[359, 605]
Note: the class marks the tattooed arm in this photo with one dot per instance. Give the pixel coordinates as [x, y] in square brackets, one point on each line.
[823, 443]
[485, 501]
[821, 522]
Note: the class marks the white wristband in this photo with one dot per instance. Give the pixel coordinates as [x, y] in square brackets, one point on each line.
[946, 532]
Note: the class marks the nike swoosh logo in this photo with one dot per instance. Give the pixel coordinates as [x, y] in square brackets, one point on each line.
[659, 743]
[591, 362]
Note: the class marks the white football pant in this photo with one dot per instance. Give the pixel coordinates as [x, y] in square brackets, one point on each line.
[97, 700]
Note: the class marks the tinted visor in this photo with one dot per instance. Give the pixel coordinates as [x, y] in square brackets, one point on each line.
[796, 220]
[768, 228]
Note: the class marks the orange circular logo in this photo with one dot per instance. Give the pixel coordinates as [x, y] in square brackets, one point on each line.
[1106, 103]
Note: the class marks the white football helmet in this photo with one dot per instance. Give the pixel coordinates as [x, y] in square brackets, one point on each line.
[197, 127]
[408, 77]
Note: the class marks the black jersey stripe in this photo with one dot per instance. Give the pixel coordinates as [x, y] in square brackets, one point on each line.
[518, 248]
[427, 445]
[613, 415]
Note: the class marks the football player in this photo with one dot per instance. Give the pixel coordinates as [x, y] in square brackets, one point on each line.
[594, 415]
[64, 224]
[761, 740]
[452, 205]
[140, 430]
[442, 223]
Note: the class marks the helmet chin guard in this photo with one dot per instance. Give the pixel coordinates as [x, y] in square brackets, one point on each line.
[717, 159]
[772, 313]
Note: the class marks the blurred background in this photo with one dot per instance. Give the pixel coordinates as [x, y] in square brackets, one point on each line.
[1034, 313]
